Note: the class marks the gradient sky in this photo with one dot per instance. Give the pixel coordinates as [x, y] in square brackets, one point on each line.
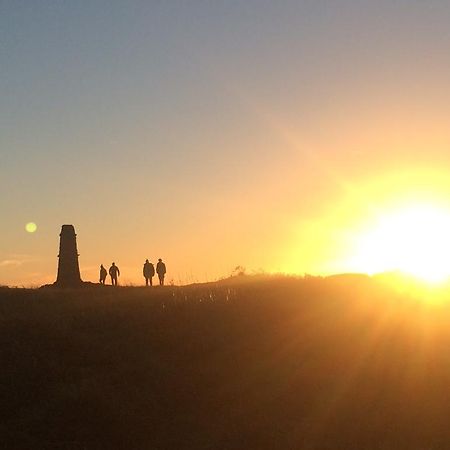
[214, 133]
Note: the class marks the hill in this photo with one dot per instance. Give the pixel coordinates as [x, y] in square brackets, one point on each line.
[264, 363]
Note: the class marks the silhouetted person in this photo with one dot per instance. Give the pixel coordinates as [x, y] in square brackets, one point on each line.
[161, 271]
[114, 272]
[103, 274]
[148, 272]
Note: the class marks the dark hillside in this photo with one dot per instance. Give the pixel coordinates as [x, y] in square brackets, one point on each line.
[262, 364]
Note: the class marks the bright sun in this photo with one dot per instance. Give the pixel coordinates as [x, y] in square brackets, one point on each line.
[414, 239]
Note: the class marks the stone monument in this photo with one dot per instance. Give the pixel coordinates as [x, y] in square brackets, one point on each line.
[68, 268]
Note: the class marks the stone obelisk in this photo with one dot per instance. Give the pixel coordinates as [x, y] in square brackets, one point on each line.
[68, 268]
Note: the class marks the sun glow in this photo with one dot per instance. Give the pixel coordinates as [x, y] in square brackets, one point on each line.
[414, 239]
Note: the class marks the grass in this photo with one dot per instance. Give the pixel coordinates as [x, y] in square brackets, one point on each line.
[248, 363]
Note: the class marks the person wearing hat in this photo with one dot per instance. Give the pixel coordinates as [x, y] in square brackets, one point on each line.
[148, 272]
[161, 271]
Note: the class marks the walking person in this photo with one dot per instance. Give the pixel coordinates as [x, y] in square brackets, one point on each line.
[161, 271]
[103, 274]
[148, 272]
[114, 272]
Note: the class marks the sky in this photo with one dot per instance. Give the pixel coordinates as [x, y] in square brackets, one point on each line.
[213, 134]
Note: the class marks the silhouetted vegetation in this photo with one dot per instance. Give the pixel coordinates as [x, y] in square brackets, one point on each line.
[246, 363]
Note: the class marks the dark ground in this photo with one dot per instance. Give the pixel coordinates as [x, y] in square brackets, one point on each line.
[258, 364]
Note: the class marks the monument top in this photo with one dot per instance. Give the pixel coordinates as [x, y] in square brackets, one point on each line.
[67, 229]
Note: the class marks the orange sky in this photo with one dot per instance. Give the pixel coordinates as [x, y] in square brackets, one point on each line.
[269, 136]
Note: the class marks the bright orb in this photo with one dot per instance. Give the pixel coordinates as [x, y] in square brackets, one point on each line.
[414, 239]
[30, 227]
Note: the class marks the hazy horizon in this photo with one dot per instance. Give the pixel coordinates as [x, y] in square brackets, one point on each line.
[273, 135]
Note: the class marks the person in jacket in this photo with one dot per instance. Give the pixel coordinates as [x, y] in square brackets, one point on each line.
[114, 272]
[103, 274]
[148, 271]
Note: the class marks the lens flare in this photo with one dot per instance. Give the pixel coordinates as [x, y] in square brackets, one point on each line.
[30, 227]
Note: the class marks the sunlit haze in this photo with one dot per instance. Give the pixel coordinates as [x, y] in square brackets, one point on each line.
[292, 136]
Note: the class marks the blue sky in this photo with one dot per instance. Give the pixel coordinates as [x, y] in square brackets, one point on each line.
[205, 131]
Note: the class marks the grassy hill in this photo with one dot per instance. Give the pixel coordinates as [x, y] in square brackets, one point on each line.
[248, 363]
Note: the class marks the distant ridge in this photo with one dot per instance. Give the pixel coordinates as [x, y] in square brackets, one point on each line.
[349, 277]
